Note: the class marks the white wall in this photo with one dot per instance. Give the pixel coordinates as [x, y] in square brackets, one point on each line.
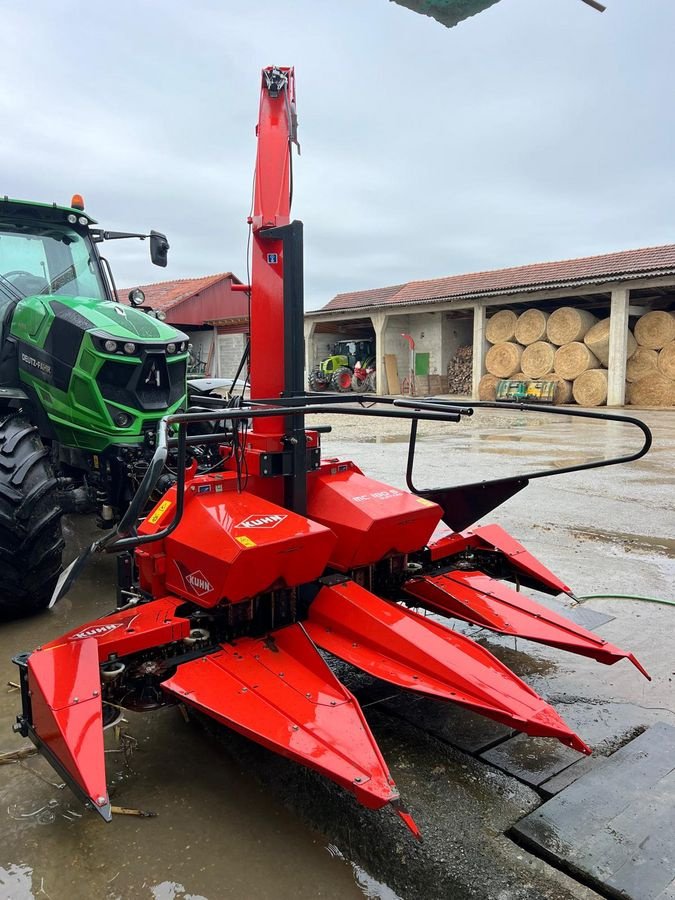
[230, 349]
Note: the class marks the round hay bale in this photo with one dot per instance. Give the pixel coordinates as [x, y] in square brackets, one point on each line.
[501, 327]
[563, 388]
[573, 359]
[568, 324]
[519, 376]
[590, 388]
[666, 361]
[655, 329]
[642, 362]
[487, 387]
[537, 359]
[652, 390]
[597, 341]
[531, 327]
[503, 359]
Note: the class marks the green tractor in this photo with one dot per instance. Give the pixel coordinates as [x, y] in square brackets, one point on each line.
[350, 367]
[84, 381]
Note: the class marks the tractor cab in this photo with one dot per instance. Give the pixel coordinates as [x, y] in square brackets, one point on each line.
[97, 372]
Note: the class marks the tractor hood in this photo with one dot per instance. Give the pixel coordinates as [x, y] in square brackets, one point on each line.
[86, 314]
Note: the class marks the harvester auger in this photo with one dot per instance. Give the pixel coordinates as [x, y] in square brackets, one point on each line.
[238, 579]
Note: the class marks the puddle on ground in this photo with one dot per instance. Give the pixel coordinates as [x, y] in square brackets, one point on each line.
[638, 543]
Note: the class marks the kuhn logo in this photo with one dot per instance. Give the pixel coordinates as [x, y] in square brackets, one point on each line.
[270, 521]
[199, 583]
[97, 630]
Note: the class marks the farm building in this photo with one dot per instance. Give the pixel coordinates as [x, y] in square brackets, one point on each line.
[602, 327]
[211, 310]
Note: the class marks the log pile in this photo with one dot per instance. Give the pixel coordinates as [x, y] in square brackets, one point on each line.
[460, 370]
[571, 347]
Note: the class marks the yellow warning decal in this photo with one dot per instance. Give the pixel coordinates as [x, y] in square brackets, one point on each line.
[159, 512]
[246, 541]
[425, 502]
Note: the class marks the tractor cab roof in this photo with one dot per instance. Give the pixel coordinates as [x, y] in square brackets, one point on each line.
[48, 212]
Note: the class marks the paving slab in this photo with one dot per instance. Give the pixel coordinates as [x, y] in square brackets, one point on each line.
[613, 827]
[564, 779]
[531, 760]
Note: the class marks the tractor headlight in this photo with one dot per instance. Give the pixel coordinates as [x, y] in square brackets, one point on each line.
[72, 218]
[170, 348]
[122, 419]
[110, 346]
[183, 347]
[130, 348]
[136, 297]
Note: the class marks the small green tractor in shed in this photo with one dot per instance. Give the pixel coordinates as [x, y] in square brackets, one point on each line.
[84, 381]
[350, 367]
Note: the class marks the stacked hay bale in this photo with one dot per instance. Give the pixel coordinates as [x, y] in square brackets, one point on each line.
[651, 371]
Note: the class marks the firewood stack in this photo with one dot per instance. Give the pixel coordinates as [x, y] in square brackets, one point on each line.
[459, 371]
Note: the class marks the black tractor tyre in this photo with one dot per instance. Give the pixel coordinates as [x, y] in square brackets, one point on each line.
[359, 385]
[342, 379]
[317, 381]
[31, 542]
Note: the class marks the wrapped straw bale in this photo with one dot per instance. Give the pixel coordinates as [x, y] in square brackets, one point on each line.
[573, 359]
[643, 362]
[537, 359]
[655, 329]
[531, 327]
[568, 324]
[597, 341]
[666, 361]
[503, 359]
[652, 390]
[590, 388]
[563, 388]
[501, 327]
[487, 387]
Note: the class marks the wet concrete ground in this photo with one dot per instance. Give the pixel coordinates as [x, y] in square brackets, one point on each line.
[235, 821]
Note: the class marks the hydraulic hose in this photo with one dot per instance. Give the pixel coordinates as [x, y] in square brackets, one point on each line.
[627, 597]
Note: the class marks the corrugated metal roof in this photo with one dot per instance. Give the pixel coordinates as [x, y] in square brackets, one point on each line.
[166, 295]
[642, 263]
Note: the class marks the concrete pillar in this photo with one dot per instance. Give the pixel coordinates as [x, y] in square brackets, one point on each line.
[480, 346]
[618, 347]
[379, 320]
[310, 328]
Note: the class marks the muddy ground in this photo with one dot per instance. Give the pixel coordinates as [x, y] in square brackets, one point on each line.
[234, 821]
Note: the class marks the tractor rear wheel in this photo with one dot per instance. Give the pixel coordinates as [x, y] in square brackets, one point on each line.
[342, 379]
[31, 543]
[317, 381]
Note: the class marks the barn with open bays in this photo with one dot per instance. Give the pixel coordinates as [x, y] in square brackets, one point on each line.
[601, 327]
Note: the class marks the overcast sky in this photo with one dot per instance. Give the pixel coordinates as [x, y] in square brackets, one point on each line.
[539, 129]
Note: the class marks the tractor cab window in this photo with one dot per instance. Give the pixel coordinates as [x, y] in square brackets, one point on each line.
[47, 259]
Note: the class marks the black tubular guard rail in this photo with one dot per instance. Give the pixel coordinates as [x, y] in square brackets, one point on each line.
[125, 536]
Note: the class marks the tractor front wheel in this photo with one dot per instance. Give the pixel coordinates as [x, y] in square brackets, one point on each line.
[317, 381]
[31, 544]
[342, 379]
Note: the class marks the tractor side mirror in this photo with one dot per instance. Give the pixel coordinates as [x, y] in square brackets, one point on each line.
[159, 249]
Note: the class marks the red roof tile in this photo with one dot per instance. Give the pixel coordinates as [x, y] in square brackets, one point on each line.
[645, 262]
[166, 295]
